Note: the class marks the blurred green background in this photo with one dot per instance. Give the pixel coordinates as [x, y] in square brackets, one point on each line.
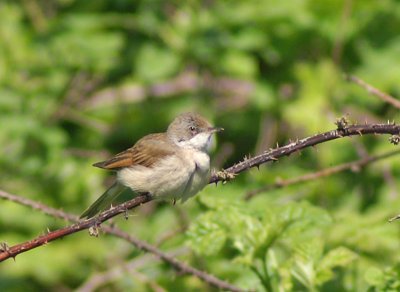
[82, 80]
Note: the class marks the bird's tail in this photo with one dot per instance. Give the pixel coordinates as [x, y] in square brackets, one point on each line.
[104, 201]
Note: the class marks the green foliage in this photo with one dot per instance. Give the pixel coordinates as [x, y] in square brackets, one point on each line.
[383, 280]
[265, 239]
[81, 80]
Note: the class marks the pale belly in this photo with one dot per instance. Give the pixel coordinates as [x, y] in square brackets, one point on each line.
[176, 177]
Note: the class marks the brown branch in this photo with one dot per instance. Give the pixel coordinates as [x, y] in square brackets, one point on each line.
[341, 32]
[274, 154]
[180, 266]
[374, 91]
[36, 15]
[80, 85]
[354, 165]
[81, 225]
[188, 81]
[342, 131]
[99, 279]
[13, 251]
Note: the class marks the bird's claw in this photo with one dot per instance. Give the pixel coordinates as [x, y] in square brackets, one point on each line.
[225, 176]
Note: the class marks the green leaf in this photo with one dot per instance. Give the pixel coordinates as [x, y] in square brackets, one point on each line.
[93, 51]
[374, 276]
[207, 237]
[338, 257]
[239, 64]
[154, 63]
[387, 279]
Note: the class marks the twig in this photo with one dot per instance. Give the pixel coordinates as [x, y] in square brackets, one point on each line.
[341, 32]
[36, 15]
[187, 82]
[374, 91]
[178, 265]
[354, 165]
[81, 225]
[397, 217]
[84, 120]
[274, 154]
[99, 279]
[80, 85]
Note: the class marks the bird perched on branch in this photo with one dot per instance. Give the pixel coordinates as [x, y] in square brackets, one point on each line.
[171, 165]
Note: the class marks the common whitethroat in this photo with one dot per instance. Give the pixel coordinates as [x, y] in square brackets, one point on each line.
[172, 165]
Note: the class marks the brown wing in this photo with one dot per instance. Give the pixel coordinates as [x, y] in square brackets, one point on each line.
[145, 152]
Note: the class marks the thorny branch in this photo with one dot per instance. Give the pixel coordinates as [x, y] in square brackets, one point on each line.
[374, 91]
[343, 130]
[178, 265]
[272, 155]
[92, 223]
[94, 282]
[354, 165]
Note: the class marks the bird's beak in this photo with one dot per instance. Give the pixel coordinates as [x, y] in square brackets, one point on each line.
[215, 129]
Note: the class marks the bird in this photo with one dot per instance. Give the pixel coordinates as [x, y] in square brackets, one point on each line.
[171, 165]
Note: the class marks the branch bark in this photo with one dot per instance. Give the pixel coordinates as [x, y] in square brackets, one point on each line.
[374, 91]
[81, 225]
[354, 165]
[272, 155]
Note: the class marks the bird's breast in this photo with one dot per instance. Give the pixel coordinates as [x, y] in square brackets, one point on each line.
[199, 174]
[178, 176]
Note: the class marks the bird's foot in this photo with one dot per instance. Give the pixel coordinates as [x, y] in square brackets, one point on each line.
[225, 176]
[94, 230]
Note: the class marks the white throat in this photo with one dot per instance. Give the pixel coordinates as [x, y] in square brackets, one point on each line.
[201, 142]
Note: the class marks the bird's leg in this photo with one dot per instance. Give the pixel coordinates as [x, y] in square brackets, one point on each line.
[94, 230]
[225, 176]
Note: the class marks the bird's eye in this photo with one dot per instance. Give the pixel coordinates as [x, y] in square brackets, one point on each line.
[192, 128]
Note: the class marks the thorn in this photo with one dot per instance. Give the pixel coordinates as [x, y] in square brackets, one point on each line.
[4, 247]
[397, 217]
[126, 215]
[394, 139]
[342, 123]
[174, 201]
[258, 167]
